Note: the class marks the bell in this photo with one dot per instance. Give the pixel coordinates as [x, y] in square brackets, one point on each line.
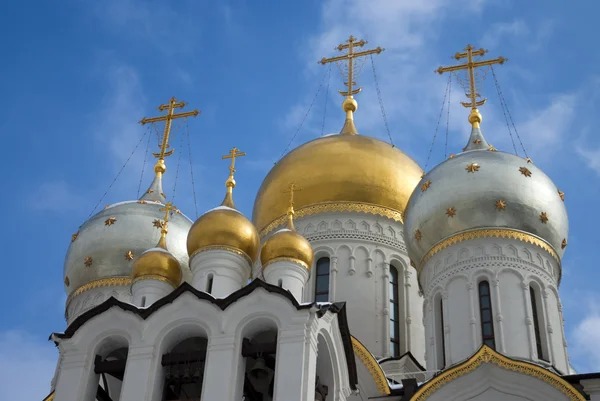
[260, 370]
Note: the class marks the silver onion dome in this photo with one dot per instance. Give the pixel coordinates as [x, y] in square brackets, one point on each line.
[107, 244]
[482, 188]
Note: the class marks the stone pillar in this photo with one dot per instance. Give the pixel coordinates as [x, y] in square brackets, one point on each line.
[296, 366]
[147, 291]
[386, 309]
[529, 321]
[549, 329]
[137, 381]
[229, 270]
[333, 277]
[498, 317]
[472, 318]
[407, 314]
[293, 276]
[224, 370]
[76, 380]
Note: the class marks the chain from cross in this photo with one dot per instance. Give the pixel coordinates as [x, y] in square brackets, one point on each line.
[233, 153]
[167, 209]
[470, 65]
[351, 44]
[168, 118]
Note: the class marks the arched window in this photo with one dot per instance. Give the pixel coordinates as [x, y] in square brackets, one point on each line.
[537, 323]
[394, 313]
[322, 280]
[485, 309]
[209, 284]
[439, 333]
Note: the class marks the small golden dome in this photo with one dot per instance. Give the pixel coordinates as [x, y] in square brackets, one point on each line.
[348, 172]
[224, 227]
[159, 264]
[287, 244]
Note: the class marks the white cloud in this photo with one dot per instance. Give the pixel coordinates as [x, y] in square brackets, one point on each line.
[591, 157]
[585, 340]
[501, 30]
[53, 196]
[26, 366]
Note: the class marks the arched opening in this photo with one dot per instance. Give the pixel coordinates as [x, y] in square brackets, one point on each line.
[394, 311]
[537, 314]
[143, 303]
[209, 283]
[280, 283]
[259, 357]
[322, 280]
[485, 313]
[325, 381]
[183, 370]
[440, 341]
[109, 370]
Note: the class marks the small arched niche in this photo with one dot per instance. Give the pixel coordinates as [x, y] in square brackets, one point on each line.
[259, 360]
[109, 369]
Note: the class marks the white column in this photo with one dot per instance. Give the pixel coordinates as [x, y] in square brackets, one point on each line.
[138, 374]
[352, 269]
[407, 314]
[296, 366]
[549, 329]
[223, 372]
[498, 317]
[529, 321]
[446, 330]
[293, 276]
[230, 271]
[76, 380]
[147, 291]
[386, 309]
[369, 267]
[472, 318]
[333, 277]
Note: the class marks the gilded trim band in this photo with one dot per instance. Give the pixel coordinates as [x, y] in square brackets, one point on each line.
[155, 277]
[222, 248]
[336, 207]
[487, 355]
[489, 233]
[371, 364]
[104, 282]
[284, 259]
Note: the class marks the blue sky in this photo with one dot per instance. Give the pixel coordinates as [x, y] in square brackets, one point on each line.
[77, 76]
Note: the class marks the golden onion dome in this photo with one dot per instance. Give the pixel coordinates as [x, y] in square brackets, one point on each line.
[158, 264]
[287, 244]
[345, 172]
[224, 227]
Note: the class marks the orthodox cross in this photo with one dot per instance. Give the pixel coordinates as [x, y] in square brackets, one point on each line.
[290, 213]
[470, 65]
[351, 44]
[168, 118]
[233, 153]
[167, 209]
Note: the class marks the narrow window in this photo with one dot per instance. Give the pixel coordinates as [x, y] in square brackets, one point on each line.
[485, 309]
[536, 323]
[143, 302]
[280, 283]
[442, 334]
[209, 284]
[394, 314]
[322, 280]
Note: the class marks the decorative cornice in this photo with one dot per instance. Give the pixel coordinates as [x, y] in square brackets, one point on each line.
[285, 259]
[372, 365]
[326, 207]
[487, 355]
[104, 282]
[488, 233]
[222, 248]
[157, 278]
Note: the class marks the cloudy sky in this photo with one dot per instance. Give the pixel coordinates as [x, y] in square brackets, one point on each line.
[77, 76]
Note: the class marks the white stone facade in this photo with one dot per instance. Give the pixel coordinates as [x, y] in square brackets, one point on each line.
[510, 267]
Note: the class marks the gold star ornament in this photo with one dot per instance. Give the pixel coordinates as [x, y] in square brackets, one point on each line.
[500, 204]
[88, 261]
[472, 168]
[425, 186]
[158, 223]
[451, 211]
[67, 282]
[525, 171]
[74, 236]
[418, 235]
[544, 217]
[110, 221]
[128, 255]
[492, 148]
[561, 194]
[564, 243]
[477, 141]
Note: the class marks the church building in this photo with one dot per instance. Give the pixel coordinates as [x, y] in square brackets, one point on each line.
[359, 276]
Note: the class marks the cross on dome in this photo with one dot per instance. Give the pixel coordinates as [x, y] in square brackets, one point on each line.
[290, 213]
[230, 183]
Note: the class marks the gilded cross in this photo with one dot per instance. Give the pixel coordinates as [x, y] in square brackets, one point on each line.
[233, 153]
[470, 65]
[290, 213]
[168, 118]
[351, 44]
[167, 209]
